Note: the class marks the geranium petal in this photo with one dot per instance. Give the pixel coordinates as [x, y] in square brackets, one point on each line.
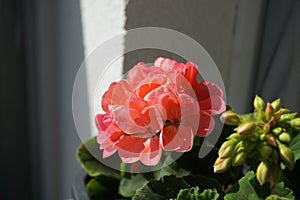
[170, 140]
[214, 105]
[106, 144]
[126, 123]
[157, 117]
[106, 98]
[121, 93]
[151, 154]
[108, 151]
[190, 72]
[186, 133]
[103, 121]
[206, 89]
[206, 124]
[165, 63]
[140, 72]
[137, 73]
[130, 147]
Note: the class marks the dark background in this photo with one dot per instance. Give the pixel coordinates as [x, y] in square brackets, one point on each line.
[34, 89]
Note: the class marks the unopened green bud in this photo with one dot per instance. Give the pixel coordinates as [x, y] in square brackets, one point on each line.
[266, 128]
[239, 158]
[230, 118]
[221, 165]
[277, 115]
[274, 174]
[284, 110]
[284, 137]
[295, 122]
[275, 197]
[260, 115]
[288, 116]
[227, 148]
[269, 112]
[246, 128]
[258, 103]
[286, 155]
[241, 146]
[235, 136]
[246, 118]
[263, 137]
[277, 130]
[276, 105]
[265, 150]
[262, 172]
[271, 140]
[272, 122]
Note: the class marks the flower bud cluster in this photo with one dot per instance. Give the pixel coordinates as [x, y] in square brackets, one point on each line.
[265, 135]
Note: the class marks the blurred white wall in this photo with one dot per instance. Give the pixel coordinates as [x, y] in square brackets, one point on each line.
[101, 21]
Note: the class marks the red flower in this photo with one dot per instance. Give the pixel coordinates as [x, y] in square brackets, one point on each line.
[162, 107]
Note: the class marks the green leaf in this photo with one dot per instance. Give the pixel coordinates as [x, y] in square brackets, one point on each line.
[209, 194]
[281, 192]
[88, 155]
[128, 186]
[168, 187]
[103, 187]
[95, 188]
[276, 197]
[171, 168]
[295, 146]
[248, 188]
[193, 194]
[131, 183]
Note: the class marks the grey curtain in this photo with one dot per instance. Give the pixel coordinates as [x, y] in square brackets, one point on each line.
[15, 170]
[278, 72]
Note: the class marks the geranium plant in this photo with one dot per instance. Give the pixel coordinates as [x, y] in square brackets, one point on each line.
[153, 125]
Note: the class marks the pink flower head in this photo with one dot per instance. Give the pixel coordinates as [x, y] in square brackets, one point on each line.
[157, 108]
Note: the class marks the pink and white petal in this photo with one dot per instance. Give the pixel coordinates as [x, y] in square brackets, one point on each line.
[214, 105]
[189, 106]
[158, 61]
[121, 94]
[107, 143]
[101, 137]
[126, 123]
[206, 89]
[191, 72]
[157, 117]
[137, 74]
[130, 147]
[206, 124]
[151, 154]
[106, 98]
[170, 140]
[103, 121]
[187, 135]
[108, 152]
[165, 63]
[183, 86]
[128, 157]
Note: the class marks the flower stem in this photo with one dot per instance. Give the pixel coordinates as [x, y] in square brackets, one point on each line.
[122, 169]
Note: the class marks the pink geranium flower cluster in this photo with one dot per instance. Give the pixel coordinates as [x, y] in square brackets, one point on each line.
[157, 108]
